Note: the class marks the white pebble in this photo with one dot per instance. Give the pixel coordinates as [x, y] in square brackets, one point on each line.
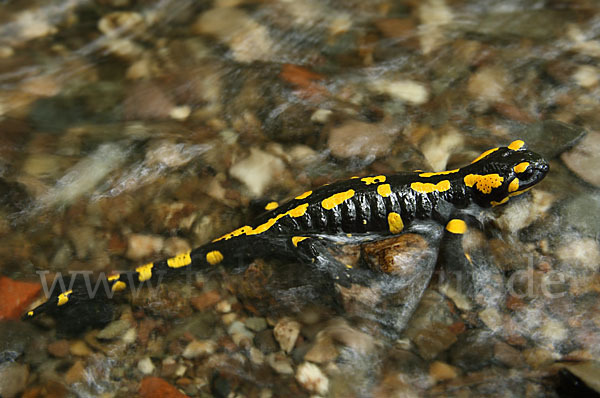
[554, 331]
[258, 170]
[580, 253]
[286, 333]
[180, 112]
[140, 246]
[223, 306]
[310, 377]
[238, 332]
[491, 318]
[199, 348]
[321, 116]
[409, 91]
[587, 76]
[129, 336]
[145, 366]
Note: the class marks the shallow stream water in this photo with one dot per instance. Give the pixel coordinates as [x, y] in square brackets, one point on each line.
[132, 131]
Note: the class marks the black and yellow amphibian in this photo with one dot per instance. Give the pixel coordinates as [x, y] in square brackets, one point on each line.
[382, 204]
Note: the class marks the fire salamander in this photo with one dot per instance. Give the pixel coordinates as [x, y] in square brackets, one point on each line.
[367, 206]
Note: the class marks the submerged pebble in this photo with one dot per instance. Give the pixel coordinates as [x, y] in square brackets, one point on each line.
[286, 333]
[13, 379]
[355, 138]
[312, 378]
[258, 170]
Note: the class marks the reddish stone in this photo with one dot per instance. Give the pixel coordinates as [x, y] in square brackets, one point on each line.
[457, 327]
[513, 112]
[155, 387]
[299, 76]
[146, 326]
[514, 303]
[305, 80]
[15, 296]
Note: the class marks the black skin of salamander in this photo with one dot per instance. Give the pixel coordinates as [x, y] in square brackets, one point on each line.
[364, 213]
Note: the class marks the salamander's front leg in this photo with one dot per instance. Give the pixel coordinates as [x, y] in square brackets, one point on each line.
[465, 263]
[452, 253]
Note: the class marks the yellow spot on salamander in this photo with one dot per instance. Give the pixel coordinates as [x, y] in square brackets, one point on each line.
[373, 180]
[483, 155]
[63, 298]
[516, 145]
[395, 223]
[365, 222]
[30, 313]
[348, 266]
[271, 206]
[144, 272]
[264, 227]
[521, 167]
[240, 231]
[298, 239]
[384, 190]
[503, 201]
[456, 226]
[113, 277]
[180, 260]
[337, 199]
[484, 183]
[514, 185]
[354, 177]
[519, 192]
[304, 195]
[118, 286]
[297, 211]
[426, 187]
[214, 257]
[438, 173]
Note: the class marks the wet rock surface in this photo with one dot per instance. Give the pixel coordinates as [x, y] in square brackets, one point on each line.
[133, 131]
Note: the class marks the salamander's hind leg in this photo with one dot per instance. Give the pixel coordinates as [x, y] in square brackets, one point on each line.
[318, 254]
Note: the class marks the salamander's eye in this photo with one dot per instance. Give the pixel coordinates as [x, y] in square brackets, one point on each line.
[526, 174]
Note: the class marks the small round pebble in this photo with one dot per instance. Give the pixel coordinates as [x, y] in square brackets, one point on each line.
[256, 323]
[280, 363]
[199, 348]
[145, 366]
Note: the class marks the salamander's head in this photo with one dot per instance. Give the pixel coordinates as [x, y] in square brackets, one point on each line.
[501, 173]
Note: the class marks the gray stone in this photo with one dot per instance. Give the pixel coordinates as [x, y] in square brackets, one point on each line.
[473, 351]
[550, 137]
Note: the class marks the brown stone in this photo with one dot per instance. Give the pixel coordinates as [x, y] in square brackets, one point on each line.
[397, 256]
[59, 348]
[205, 300]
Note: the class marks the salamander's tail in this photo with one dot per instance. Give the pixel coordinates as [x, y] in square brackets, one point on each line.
[79, 303]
